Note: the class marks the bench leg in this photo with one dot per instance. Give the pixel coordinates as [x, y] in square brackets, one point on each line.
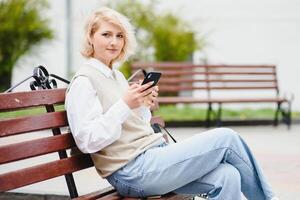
[63, 154]
[219, 116]
[287, 115]
[275, 123]
[208, 115]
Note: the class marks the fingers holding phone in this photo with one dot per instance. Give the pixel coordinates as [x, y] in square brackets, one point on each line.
[151, 99]
[135, 94]
[144, 93]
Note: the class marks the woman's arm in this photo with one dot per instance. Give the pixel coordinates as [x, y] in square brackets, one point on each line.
[91, 128]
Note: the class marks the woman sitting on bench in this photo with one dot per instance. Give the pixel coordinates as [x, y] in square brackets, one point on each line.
[109, 119]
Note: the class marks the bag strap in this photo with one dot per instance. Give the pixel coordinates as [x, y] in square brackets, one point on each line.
[158, 128]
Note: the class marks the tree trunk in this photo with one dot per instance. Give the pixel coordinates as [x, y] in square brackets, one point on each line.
[5, 80]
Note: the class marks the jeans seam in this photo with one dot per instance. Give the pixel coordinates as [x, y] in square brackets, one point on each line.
[247, 164]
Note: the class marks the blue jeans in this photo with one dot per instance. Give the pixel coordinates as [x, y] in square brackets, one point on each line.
[218, 163]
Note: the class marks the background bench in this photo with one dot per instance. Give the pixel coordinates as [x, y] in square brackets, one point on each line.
[50, 116]
[218, 85]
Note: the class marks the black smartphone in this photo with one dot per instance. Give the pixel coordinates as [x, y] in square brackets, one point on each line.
[151, 76]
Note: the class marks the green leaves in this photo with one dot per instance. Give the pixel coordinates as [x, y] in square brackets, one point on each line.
[161, 36]
[22, 27]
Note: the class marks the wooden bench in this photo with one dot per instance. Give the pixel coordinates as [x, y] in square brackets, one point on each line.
[219, 84]
[53, 119]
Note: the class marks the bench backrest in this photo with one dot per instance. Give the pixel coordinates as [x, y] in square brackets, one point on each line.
[44, 110]
[45, 117]
[178, 77]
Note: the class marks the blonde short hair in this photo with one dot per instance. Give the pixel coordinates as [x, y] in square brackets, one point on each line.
[93, 23]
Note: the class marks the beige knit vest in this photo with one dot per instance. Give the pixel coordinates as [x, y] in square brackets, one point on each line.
[137, 135]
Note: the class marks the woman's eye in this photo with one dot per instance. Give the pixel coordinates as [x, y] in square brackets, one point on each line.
[120, 36]
[105, 34]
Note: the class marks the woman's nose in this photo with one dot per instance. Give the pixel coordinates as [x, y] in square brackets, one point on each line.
[113, 41]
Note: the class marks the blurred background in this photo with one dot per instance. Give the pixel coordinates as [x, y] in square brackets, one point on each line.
[202, 32]
[49, 33]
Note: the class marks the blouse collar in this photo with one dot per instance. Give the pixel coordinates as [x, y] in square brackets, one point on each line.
[101, 67]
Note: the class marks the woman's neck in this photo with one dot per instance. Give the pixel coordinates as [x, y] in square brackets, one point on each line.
[107, 63]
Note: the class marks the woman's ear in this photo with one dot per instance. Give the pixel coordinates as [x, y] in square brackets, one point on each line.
[90, 38]
[90, 41]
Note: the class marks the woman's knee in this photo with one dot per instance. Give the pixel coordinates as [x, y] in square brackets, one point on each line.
[228, 133]
[230, 175]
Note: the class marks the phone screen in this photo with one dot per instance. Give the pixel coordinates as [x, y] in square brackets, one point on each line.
[152, 76]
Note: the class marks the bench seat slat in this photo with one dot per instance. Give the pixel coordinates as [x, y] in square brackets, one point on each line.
[180, 65]
[176, 88]
[113, 196]
[33, 123]
[249, 100]
[242, 66]
[178, 73]
[138, 65]
[170, 196]
[96, 194]
[28, 149]
[242, 87]
[166, 80]
[23, 177]
[166, 100]
[17, 100]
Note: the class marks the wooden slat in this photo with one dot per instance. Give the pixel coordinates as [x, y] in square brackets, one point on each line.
[185, 73]
[242, 87]
[248, 100]
[17, 100]
[97, 194]
[22, 177]
[163, 65]
[179, 80]
[171, 196]
[28, 149]
[241, 80]
[176, 88]
[33, 123]
[242, 66]
[138, 65]
[241, 73]
[112, 196]
[180, 73]
[168, 100]
[167, 80]
[110, 193]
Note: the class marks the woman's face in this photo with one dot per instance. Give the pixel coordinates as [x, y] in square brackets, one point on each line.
[108, 42]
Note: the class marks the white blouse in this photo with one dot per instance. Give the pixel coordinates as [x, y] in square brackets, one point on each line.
[93, 129]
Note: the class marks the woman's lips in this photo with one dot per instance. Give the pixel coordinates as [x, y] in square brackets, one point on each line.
[113, 50]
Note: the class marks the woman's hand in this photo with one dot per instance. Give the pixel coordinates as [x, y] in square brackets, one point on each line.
[135, 95]
[151, 99]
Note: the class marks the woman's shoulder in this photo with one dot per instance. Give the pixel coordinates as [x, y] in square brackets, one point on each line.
[119, 74]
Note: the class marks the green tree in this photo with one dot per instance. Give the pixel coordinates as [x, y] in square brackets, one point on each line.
[22, 27]
[173, 40]
[161, 36]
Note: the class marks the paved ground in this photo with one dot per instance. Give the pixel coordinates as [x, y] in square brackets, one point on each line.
[276, 148]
